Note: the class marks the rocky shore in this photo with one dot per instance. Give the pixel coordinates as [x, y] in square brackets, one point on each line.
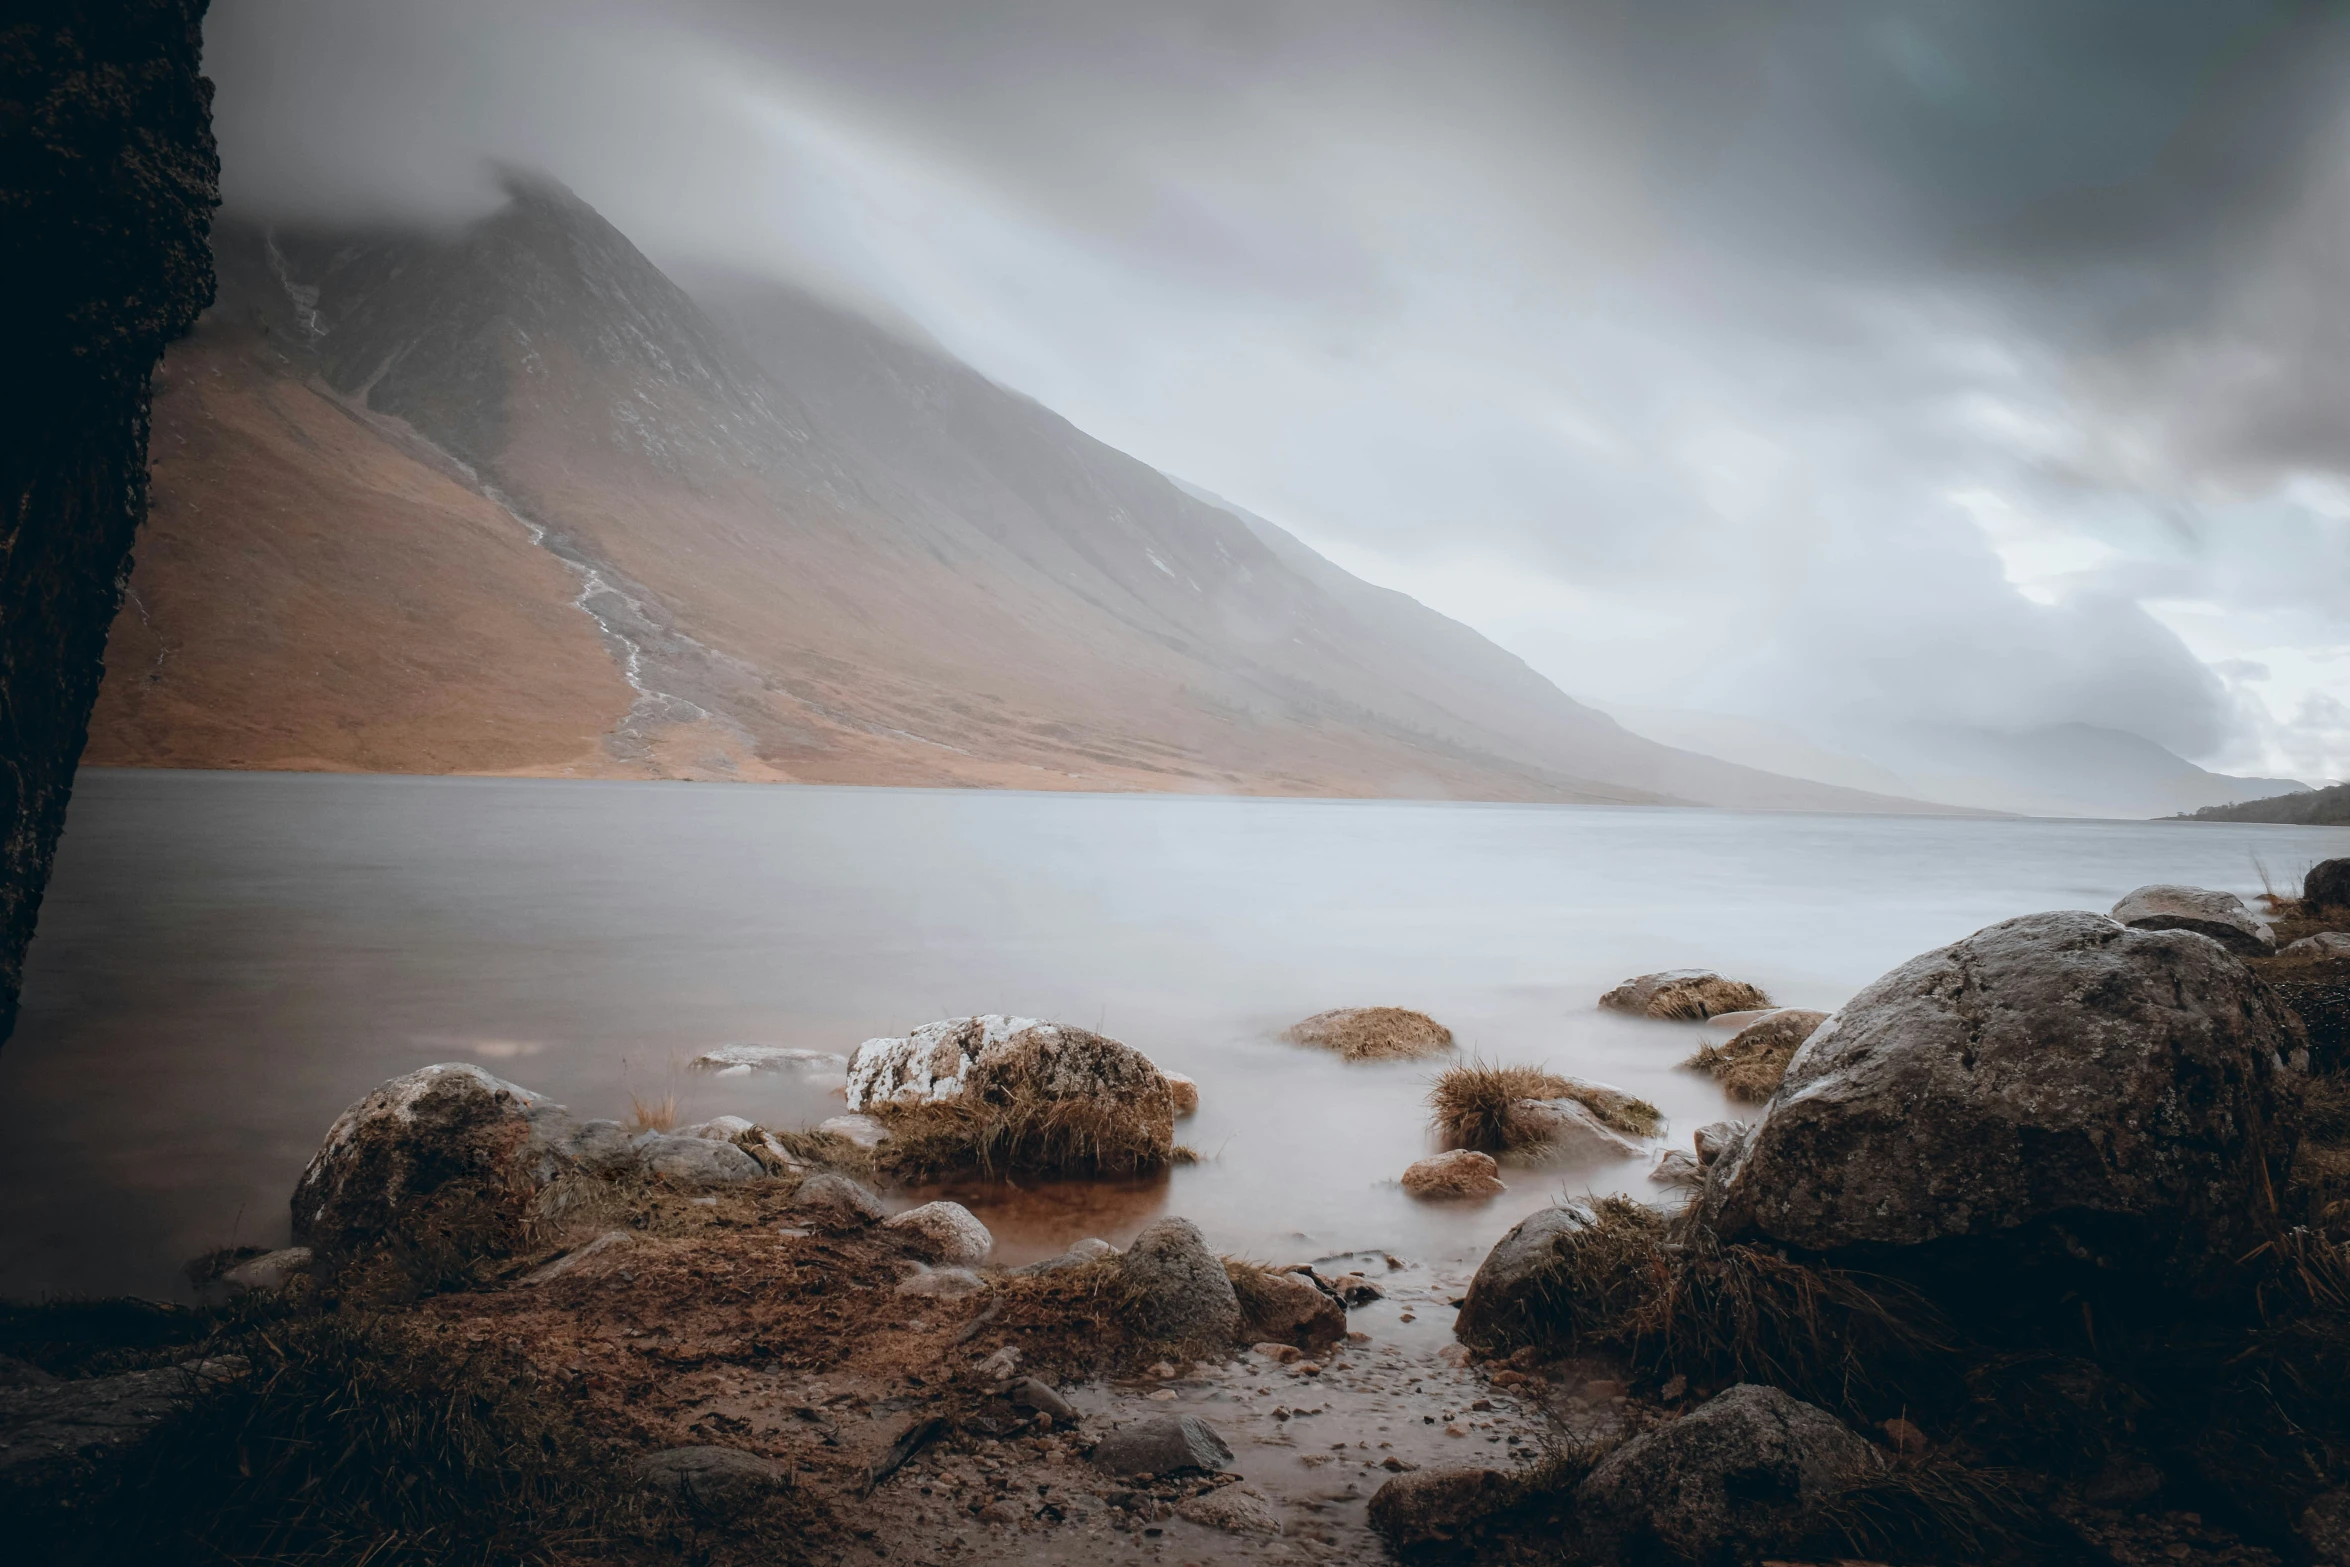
[2037, 1250]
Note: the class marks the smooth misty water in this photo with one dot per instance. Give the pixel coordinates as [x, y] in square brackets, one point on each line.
[226, 960]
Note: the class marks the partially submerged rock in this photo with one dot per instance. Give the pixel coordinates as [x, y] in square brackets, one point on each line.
[1372, 1033]
[1014, 1095]
[270, 1271]
[1463, 1174]
[447, 1154]
[49, 1426]
[862, 1130]
[1509, 1282]
[1163, 1445]
[1186, 1092]
[1750, 1064]
[1524, 1109]
[2325, 944]
[1285, 1307]
[944, 1232]
[1744, 1472]
[741, 1060]
[1181, 1290]
[1235, 1509]
[2220, 915]
[1434, 1506]
[1683, 995]
[2057, 1086]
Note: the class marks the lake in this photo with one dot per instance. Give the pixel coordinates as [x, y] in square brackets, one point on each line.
[227, 960]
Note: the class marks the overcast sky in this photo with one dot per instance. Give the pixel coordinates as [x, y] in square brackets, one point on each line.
[1983, 362]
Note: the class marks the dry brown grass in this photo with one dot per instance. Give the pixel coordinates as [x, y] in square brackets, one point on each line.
[1474, 1103]
[1373, 1033]
[1084, 1136]
[656, 1114]
[1751, 1064]
[1684, 998]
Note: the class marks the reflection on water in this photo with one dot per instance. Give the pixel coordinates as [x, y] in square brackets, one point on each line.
[227, 960]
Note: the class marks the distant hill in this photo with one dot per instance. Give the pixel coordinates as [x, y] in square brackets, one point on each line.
[508, 499]
[2327, 807]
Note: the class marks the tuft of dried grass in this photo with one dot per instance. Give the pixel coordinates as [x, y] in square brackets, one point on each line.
[1750, 1065]
[1936, 1511]
[1689, 995]
[1373, 1033]
[658, 1114]
[1028, 1135]
[1475, 1105]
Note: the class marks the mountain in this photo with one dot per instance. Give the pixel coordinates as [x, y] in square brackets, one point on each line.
[2059, 770]
[507, 499]
[2326, 807]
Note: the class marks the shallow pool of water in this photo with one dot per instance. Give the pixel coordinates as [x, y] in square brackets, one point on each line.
[226, 960]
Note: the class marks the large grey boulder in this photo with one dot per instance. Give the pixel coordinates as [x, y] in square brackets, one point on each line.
[2057, 1085]
[697, 1161]
[1510, 1277]
[2325, 944]
[2220, 915]
[447, 1149]
[1161, 1445]
[1181, 1288]
[2327, 886]
[1743, 1472]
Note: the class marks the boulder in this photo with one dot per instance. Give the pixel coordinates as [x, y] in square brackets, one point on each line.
[446, 1150]
[2324, 1526]
[1683, 995]
[1677, 1167]
[1372, 1033]
[698, 1161]
[1460, 1174]
[839, 1200]
[1027, 1096]
[1186, 1092]
[1162, 1445]
[2327, 886]
[2325, 944]
[718, 1129]
[2056, 1085]
[1181, 1290]
[2220, 915]
[1038, 1397]
[1746, 1471]
[601, 1147]
[49, 1426]
[1288, 1308]
[743, 1059]
[714, 1479]
[1713, 1137]
[1434, 1506]
[1235, 1509]
[1510, 1278]
[944, 1232]
[269, 1271]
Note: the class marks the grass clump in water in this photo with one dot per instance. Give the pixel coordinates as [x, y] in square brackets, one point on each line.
[1028, 1135]
[1476, 1105]
[1684, 996]
[1752, 1063]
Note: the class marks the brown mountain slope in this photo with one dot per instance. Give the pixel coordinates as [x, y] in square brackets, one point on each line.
[414, 486]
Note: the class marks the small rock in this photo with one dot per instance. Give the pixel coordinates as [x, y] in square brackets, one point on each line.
[1162, 1445]
[718, 1129]
[696, 1160]
[2325, 1523]
[1903, 1437]
[2325, 944]
[717, 1479]
[1029, 1393]
[1288, 1309]
[1683, 995]
[1003, 1365]
[942, 1283]
[610, 1240]
[1461, 1174]
[1236, 1509]
[1282, 1353]
[1511, 1275]
[1713, 1137]
[2220, 915]
[1182, 1289]
[601, 1147]
[1569, 1129]
[840, 1200]
[270, 1271]
[1372, 1033]
[1435, 1505]
[862, 1130]
[945, 1232]
[1678, 1168]
[1186, 1093]
[1084, 1251]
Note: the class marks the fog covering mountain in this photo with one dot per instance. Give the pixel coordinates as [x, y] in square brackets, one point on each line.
[505, 498]
[2056, 770]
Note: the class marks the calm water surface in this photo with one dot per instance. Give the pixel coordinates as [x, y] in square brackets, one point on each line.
[226, 960]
